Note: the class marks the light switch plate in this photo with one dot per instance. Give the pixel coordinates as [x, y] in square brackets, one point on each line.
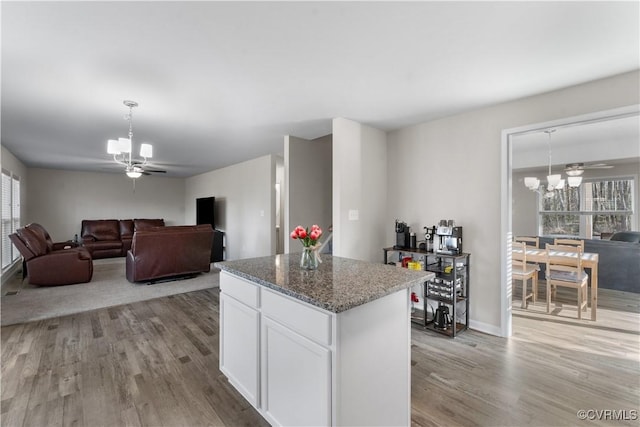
[354, 215]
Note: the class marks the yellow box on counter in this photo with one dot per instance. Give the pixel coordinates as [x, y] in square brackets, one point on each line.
[414, 266]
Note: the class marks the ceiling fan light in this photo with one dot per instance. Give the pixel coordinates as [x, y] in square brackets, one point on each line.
[553, 180]
[532, 182]
[134, 174]
[574, 181]
[574, 172]
[125, 145]
[113, 146]
[146, 150]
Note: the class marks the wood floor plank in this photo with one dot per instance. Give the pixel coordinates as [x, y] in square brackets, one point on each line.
[155, 363]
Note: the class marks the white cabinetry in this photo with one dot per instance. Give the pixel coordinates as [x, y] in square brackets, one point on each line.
[299, 365]
[240, 336]
[296, 362]
[296, 378]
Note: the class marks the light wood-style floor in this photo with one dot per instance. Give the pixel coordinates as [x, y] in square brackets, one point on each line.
[155, 363]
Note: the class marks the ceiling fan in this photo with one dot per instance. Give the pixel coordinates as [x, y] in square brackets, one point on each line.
[121, 149]
[144, 169]
[577, 169]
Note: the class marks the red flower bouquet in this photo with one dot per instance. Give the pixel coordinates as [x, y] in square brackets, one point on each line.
[309, 240]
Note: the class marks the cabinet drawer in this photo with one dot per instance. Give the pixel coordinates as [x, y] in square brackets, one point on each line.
[240, 289]
[307, 321]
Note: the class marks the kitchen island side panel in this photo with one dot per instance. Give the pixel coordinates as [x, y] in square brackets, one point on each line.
[372, 383]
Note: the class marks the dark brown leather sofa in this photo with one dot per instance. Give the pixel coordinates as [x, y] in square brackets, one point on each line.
[107, 238]
[49, 263]
[166, 252]
[618, 262]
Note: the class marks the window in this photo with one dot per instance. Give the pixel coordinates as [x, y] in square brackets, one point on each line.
[596, 208]
[10, 216]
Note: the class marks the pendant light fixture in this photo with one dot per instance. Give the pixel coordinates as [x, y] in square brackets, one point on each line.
[554, 181]
[121, 148]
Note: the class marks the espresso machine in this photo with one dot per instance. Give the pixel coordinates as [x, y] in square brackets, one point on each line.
[429, 238]
[448, 238]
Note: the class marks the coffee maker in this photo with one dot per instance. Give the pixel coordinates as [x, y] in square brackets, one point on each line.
[403, 235]
[448, 238]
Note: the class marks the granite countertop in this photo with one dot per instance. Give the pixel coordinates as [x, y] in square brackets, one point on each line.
[338, 284]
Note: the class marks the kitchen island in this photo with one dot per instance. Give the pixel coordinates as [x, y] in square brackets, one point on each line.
[323, 347]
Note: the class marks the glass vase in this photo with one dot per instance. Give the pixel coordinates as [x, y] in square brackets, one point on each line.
[308, 261]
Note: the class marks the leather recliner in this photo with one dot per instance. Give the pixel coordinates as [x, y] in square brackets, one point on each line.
[46, 263]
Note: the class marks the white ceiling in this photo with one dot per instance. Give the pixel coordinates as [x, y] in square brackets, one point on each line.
[222, 82]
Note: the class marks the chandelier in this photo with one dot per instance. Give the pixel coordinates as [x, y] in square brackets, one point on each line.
[121, 148]
[554, 181]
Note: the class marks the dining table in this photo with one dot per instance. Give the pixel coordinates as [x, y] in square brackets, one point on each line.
[589, 260]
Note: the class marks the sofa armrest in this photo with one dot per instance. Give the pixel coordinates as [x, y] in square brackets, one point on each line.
[62, 267]
[130, 266]
[58, 246]
[66, 255]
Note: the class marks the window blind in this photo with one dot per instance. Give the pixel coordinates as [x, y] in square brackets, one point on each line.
[6, 219]
[10, 216]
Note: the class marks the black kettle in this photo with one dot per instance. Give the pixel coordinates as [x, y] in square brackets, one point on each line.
[442, 318]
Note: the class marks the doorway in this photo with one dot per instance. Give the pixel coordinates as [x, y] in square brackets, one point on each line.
[510, 160]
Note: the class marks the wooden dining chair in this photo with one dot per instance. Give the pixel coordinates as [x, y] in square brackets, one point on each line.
[564, 268]
[523, 271]
[529, 241]
[570, 242]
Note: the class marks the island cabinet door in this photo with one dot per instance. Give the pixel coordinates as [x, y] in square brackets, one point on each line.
[240, 347]
[296, 378]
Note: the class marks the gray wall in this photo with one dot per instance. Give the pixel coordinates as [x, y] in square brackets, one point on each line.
[451, 168]
[359, 186]
[245, 205]
[60, 200]
[525, 207]
[308, 169]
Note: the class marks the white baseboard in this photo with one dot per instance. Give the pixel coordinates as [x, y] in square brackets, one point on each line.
[485, 328]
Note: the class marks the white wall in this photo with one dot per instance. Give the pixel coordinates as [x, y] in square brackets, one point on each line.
[308, 169]
[359, 186]
[60, 200]
[245, 205]
[451, 169]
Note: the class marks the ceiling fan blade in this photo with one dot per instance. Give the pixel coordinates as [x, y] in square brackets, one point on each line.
[155, 170]
[581, 166]
[598, 166]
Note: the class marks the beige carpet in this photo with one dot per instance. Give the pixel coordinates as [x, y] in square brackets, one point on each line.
[21, 302]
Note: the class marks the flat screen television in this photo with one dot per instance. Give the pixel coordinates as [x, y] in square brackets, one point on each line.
[205, 211]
